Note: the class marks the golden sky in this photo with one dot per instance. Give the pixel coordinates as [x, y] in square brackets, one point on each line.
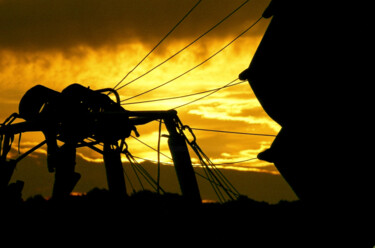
[96, 43]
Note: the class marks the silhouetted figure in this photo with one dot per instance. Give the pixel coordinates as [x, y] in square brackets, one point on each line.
[298, 73]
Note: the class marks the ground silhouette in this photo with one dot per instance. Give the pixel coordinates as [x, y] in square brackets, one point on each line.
[145, 213]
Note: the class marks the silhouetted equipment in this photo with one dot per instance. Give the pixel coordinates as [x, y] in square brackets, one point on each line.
[298, 77]
[78, 117]
[283, 73]
[75, 114]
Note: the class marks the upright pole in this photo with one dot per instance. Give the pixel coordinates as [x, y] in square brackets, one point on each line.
[114, 170]
[66, 178]
[182, 161]
[6, 167]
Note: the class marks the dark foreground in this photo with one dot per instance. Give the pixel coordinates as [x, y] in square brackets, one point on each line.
[149, 217]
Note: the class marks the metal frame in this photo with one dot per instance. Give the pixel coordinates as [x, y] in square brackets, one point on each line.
[61, 160]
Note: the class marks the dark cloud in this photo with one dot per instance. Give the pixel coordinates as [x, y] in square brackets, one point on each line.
[60, 24]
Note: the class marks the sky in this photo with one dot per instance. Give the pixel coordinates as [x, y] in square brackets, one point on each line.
[96, 43]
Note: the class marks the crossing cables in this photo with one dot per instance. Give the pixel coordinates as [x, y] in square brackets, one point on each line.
[219, 183]
[200, 98]
[156, 46]
[193, 68]
[187, 46]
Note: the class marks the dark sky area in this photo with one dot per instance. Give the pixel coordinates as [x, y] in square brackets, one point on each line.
[44, 24]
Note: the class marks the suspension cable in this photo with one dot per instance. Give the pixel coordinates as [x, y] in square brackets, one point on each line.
[150, 147]
[222, 185]
[153, 49]
[225, 163]
[193, 68]
[187, 46]
[183, 96]
[133, 166]
[200, 98]
[128, 178]
[138, 167]
[231, 132]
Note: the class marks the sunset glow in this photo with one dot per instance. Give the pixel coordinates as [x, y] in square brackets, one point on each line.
[103, 61]
[231, 109]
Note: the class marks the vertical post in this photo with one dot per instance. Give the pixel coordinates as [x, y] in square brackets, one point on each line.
[182, 162]
[114, 170]
[6, 172]
[6, 167]
[66, 178]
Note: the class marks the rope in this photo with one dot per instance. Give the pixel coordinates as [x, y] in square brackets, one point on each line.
[133, 166]
[200, 98]
[167, 163]
[183, 96]
[128, 178]
[205, 33]
[153, 49]
[222, 185]
[193, 68]
[231, 132]
[138, 167]
[216, 173]
[22, 156]
[238, 162]
[150, 147]
[208, 174]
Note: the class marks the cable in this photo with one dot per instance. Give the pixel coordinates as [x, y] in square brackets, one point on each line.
[215, 175]
[137, 167]
[237, 162]
[200, 98]
[134, 168]
[204, 61]
[22, 156]
[209, 30]
[150, 147]
[153, 49]
[225, 163]
[177, 97]
[231, 132]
